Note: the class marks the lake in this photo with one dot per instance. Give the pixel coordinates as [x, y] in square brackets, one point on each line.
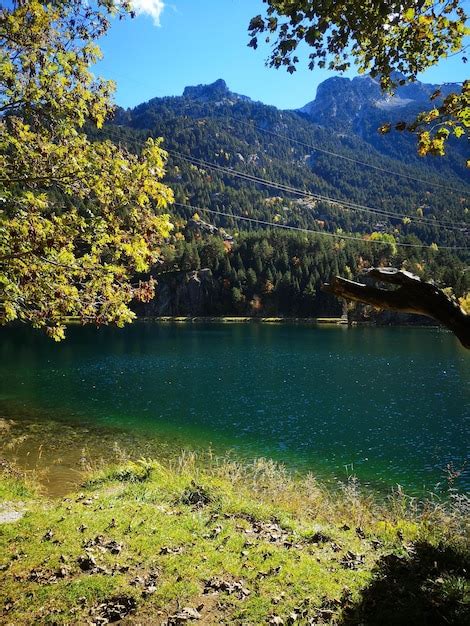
[390, 405]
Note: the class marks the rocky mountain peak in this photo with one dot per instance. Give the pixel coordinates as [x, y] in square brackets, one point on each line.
[344, 100]
[217, 91]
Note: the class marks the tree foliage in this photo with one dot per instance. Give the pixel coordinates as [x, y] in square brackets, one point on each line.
[78, 219]
[393, 41]
[277, 273]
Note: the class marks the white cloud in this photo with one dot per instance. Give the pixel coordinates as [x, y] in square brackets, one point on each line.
[153, 8]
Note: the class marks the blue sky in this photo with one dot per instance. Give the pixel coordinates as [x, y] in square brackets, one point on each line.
[199, 41]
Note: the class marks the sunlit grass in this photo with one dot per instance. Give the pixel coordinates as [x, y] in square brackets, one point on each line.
[157, 537]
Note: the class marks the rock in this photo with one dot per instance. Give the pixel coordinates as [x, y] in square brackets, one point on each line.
[48, 536]
[180, 294]
[9, 515]
[347, 103]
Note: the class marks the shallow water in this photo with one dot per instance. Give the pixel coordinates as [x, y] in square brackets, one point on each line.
[390, 405]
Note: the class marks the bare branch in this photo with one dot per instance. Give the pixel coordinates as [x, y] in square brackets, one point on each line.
[412, 295]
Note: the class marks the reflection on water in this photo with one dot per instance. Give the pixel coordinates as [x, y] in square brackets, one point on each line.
[389, 404]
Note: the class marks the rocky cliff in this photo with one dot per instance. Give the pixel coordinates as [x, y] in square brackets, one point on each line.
[181, 293]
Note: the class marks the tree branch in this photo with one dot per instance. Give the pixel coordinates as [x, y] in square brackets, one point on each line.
[412, 295]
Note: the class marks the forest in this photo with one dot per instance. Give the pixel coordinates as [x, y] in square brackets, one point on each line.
[222, 146]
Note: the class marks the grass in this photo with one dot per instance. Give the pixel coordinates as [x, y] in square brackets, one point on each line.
[224, 543]
[14, 486]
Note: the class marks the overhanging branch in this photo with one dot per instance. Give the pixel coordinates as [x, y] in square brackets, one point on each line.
[412, 295]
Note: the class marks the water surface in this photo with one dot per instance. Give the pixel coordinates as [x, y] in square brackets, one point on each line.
[388, 404]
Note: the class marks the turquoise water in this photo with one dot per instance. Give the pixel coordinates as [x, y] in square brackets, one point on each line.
[390, 405]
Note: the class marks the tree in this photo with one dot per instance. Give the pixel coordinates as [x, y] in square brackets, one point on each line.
[394, 41]
[391, 40]
[77, 219]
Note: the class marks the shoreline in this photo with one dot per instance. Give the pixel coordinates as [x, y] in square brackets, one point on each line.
[182, 319]
[247, 319]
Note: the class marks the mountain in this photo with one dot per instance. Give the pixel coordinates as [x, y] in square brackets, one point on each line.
[299, 149]
[217, 93]
[360, 107]
[232, 160]
[345, 99]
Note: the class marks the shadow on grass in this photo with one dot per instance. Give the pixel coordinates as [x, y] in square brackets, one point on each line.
[430, 588]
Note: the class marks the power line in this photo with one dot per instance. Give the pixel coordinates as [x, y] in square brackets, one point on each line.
[311, 231]
[338, 202]
[281, 187]
[342, 156]
[306, 194]
[350, 159]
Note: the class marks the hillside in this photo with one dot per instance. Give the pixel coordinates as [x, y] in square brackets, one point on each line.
[211, 123]
[359, 107]
[221, 144]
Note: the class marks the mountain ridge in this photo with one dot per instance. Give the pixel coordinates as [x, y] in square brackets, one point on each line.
[355, 106]
[244, 168]
[367, 90]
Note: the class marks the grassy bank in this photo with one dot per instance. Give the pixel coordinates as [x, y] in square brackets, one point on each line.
[227, 544]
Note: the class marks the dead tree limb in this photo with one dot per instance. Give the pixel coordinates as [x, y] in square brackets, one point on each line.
[411, 295]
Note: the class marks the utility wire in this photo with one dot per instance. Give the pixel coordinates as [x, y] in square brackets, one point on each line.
[310, 195]
[286, 188]
[309, 230]
[252, 125]
[335, 154]
[315, 196]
